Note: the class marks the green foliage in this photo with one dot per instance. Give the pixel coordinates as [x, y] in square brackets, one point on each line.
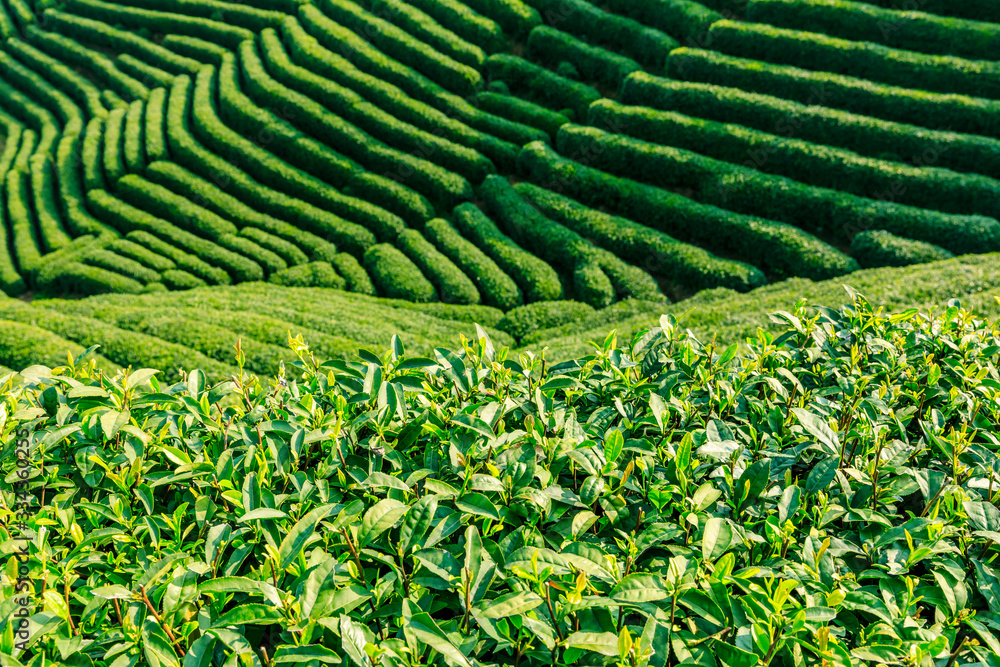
[546, 87]
[396, 43]
[46, 204]
[944, 74]
[650, 503]
[351, 237]
[866, 135]
[355, 274]
[618, 33]
[778, 249]
[207, 195]
[496, 287]
[514, 16]
[551, 47]
[876, 248]
[687, 267]
[464, 22]
[127, 267]
[101, 33]
[424, 28]
[847, 191]
[162, 22]
[144, 256]
[960, 113]
[23, 227]
[976, 10]
[230, 13]
[915, 31]
[522, 111]
[683, 20]
[183, 260]
[451, 119]
[313, 274]
[352, 48]
[424, 175]
[537, 280]
[452, 285]
[525, 320]
[288, 252]
[395, 276]
[598, 276]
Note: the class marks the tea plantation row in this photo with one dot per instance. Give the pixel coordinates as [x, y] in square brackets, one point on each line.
[378, 146]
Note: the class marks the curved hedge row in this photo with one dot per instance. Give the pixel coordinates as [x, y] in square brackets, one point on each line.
[397, 43]
[23, 225]
[960, 113]
[681, 19]
[98, 65]
[173, 208]
[496, 287]
[263, 166]
[230, 13]
[146, 257]
[370, 60]
[70, 180]
[976, 10]
[175, 279]
[779, 249]
[154, 129]
[334, 70]
[314, 274]
[321, 166]
[111, 261]
[526, 320]
[537, 280]
[598, 277]
[241, 245]
[823, 166]
[184, 260]
[452, 285]
[326, 122]
[823, 125]
[457, 17]
[79, 88]
[423, 146]
[534, 81]
[837, 215]
[423, 27]
[11, 282]
[943, 74]
[876, 248]
[126, 218]
[624, 35]
[514, 16]
[915, 31]
[98, 33]
[395, 276]
[351, 237]
[134, 152]
[160, 22]
[355, 274]
[289, 253]
[522, 111]
[114, 150]
[45, 202]
[215, 199]
[551, 47]
[688, 267]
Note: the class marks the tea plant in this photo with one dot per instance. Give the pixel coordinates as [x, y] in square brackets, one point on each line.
[825, 496]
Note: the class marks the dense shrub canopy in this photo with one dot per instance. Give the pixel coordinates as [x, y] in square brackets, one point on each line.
[825, 495]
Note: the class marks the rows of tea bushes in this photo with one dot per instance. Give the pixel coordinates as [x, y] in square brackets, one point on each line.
[489, 152]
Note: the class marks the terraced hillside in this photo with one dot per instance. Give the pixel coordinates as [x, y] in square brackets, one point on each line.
[198, 328]
[495, 152]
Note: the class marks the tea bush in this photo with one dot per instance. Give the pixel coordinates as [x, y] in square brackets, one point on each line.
[824, 495]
